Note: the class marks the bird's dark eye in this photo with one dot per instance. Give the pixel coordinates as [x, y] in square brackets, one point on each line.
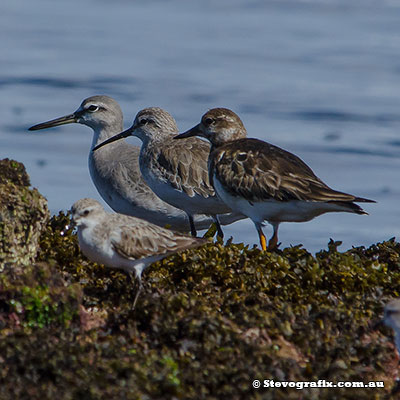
[93, 108]
[143, 121]
[86, 212]
[208, 121]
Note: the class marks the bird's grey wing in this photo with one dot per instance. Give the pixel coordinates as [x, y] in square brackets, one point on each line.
[140, 239]
[184, 165]
[127, 171]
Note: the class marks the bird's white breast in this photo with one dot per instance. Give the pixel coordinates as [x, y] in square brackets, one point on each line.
[275, 210]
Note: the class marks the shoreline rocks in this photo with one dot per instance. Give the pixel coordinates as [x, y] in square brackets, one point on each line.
[23, 215]
[209, 323]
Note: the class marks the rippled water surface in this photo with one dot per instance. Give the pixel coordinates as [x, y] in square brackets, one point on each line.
[318, 78]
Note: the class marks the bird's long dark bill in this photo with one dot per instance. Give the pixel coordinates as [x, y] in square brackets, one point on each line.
[67, 119]
[195, 131]
[121, 135]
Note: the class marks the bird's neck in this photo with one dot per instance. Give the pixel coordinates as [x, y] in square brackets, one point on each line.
[155, 139]
[103, 133]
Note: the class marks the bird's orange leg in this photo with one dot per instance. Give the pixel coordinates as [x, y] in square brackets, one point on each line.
[263, 239]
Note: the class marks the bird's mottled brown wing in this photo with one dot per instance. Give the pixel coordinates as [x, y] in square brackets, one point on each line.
[259, 171]
[141, 239]
[184, 165]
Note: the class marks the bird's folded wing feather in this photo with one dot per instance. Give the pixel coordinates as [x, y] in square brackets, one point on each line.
[259, 171]
[144, 240]
[185, 166]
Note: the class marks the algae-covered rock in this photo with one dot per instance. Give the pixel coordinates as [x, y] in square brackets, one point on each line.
[212, 320]
[36, 297]
[23, 215]
[209, 323]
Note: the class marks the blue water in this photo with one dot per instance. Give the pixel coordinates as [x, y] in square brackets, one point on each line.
[320, 78]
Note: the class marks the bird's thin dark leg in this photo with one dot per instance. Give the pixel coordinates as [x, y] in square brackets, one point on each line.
[212, 230]
[138, 290]
[273, 242]
[133, 283]
[192, 226]
[129, 277]
[220, 233]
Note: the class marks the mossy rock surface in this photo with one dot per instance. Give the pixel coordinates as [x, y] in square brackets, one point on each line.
[23, 215]
[208, 323]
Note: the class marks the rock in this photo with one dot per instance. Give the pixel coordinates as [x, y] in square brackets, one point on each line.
[23, 215]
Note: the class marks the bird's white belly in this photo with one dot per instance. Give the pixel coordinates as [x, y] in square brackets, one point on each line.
[276, 211]
[102, 252]
[96, 251]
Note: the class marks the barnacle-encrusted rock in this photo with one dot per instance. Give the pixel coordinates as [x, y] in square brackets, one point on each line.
[23, 215]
